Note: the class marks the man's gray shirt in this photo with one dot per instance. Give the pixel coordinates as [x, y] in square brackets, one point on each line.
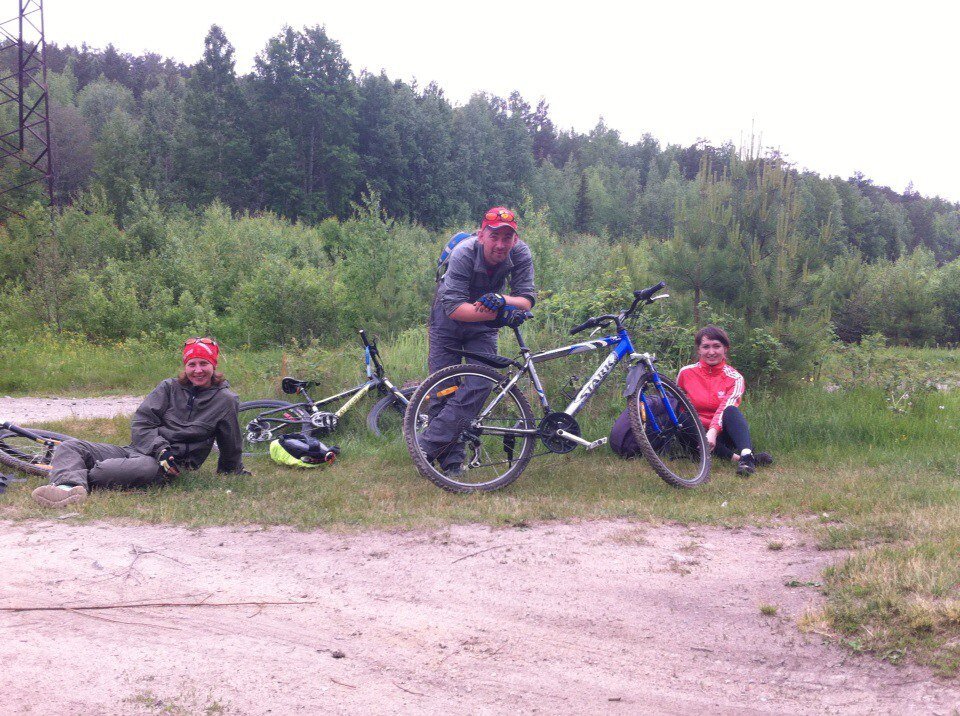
[468, 276]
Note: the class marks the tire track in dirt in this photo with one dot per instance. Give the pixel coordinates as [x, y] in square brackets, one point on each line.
[598, 616]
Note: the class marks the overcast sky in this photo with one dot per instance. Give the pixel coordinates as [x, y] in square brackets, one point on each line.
[838, 86]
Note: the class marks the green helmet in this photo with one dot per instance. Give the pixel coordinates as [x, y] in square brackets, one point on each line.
[301, 450]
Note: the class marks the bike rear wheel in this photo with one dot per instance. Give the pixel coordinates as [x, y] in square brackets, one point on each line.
[386, 416]
[490, 461]
[28, 455]
[679, 453]
[262, 421]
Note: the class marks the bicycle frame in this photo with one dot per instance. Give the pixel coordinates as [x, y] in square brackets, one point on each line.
[375, 379]
[622, 348]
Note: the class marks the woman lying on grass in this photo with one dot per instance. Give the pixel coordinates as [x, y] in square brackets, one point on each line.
[715, 389]
[172, 430]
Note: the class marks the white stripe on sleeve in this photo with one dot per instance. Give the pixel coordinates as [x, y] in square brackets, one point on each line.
[738, 388]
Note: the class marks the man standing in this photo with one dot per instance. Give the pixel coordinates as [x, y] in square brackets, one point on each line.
[468, 310]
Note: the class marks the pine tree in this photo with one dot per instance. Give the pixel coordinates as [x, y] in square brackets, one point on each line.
[214, 156]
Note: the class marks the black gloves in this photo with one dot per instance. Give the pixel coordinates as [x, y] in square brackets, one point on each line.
[168, 462]
[493, 301]
[510, 316]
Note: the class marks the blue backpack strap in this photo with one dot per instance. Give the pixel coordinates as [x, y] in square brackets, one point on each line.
[447, 250]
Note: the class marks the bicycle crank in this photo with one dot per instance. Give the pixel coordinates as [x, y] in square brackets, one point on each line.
[550, 430]
[580, 441]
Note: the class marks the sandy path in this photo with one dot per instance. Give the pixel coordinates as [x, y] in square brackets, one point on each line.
[37, 410]
[604, 616]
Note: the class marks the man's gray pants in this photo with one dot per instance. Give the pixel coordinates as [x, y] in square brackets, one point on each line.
[99, 465]
[448, 418]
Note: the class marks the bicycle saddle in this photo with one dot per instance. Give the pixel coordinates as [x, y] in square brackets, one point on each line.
[292, 385]
[491, 359]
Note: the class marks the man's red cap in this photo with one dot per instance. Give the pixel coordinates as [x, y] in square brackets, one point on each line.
[499, 216]
[206, 351]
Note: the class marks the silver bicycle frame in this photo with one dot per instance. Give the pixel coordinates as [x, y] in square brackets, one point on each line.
[588, 389]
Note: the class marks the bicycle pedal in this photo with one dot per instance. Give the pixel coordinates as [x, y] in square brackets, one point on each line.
[597, 443]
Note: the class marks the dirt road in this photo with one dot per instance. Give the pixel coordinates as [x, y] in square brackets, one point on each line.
[37, 410]
[607, 617]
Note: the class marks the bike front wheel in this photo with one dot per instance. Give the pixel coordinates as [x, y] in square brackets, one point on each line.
[386, 416]
[28, 455]
[453, 448]
[677, 451]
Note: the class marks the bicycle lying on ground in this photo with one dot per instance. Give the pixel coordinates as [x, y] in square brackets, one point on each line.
[261, 421]
[499, 441]
[28, 450]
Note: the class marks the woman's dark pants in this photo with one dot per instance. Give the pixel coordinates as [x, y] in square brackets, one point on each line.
[735, 435]
[99, 465]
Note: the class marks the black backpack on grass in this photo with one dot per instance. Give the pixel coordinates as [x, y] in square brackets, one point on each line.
[622, 439]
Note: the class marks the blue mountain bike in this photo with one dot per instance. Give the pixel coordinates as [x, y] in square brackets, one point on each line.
[475, 411]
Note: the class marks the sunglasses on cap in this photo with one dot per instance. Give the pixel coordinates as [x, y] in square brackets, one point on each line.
[206, 341]
[501, 214]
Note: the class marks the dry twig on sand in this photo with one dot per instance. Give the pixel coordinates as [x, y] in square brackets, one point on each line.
[148, 604]
[474, 554]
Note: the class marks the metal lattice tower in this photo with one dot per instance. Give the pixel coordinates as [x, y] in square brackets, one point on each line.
[23, 88]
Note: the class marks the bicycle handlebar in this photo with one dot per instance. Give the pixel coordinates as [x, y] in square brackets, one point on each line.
[645, 296]
[22, 432]
[582, 327]
[594, 321]
[646, 293]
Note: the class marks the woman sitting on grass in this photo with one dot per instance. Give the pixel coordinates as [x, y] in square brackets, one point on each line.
[715, 389]
[172, 430]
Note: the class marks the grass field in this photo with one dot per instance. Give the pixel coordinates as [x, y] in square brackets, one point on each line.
[850, 471]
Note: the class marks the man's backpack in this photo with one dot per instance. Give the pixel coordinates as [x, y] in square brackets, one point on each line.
[444, 259]
[624, 442]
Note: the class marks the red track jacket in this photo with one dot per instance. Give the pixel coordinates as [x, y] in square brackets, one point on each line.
[711, 389]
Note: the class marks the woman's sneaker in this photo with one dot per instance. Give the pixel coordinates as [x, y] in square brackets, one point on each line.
[59, 495]
[762, 459]
[747, 465]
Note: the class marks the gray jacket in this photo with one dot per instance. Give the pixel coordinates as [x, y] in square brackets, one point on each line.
[187, 420]
[468, 276]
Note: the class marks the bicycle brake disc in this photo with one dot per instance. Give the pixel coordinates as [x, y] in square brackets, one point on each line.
[548, 432]
[259, 436]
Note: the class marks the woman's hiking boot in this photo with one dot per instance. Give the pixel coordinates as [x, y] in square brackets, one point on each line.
[747, 465]
[59, 495]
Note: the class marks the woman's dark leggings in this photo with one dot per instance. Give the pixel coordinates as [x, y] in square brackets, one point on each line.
[735, 435]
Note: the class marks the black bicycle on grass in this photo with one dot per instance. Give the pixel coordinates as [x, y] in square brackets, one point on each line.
[485, 416]
[261, 421]
[30, 450]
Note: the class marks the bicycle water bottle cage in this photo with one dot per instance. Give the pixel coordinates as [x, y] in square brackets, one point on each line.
[570, 390]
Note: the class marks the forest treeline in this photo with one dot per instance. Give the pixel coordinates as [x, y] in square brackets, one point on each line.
[303, 136]
[302, 199]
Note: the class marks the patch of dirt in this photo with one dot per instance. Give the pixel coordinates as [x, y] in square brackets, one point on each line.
[610, 617]
[38, 410]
